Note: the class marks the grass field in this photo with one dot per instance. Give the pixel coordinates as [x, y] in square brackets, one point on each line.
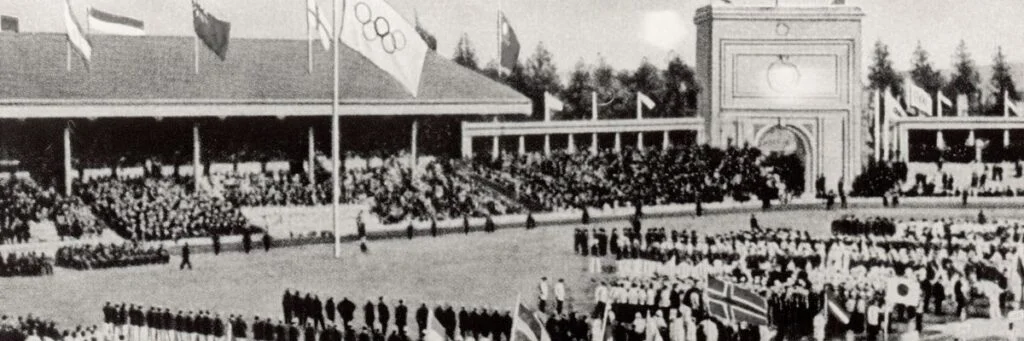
[473, 270]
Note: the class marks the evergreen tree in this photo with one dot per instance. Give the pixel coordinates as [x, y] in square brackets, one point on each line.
[577, 93]
[1001, 81]
[465, 54]
[681, 89]
[610, 91]
[647, 79]
[541, 76]
[491, 71]
[965, 77]
[923, 73]
[881, 75]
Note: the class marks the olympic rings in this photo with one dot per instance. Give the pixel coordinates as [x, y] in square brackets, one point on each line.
[379, 27]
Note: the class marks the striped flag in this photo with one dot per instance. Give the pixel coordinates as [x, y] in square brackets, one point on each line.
[108, 23]
[8, 24]
[836, 310]
[527, 325]
[317, 22]
[76, 37]
[730, 303]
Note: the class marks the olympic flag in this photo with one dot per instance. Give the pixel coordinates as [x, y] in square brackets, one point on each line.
[374, 29]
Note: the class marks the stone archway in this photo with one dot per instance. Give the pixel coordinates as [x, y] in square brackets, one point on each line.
[788, 139]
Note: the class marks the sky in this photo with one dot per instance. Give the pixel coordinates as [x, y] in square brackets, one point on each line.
[623, 32]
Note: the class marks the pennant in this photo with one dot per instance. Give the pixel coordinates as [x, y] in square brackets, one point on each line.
[642, 102]
[551, 103]
[1010, 105]
[943, 102]
[374, 29]
[75, 36]
[918, 98]
[212, 31]
[108, 23]
[317, 22]
[509, 43]
[8, 24]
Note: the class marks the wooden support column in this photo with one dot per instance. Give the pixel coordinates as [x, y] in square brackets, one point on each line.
[197, 165]
[311, 165]
[67, 159]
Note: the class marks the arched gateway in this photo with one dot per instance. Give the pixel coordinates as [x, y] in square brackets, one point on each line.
[784, 77]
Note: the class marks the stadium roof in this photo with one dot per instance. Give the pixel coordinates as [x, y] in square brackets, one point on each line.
[155, 77]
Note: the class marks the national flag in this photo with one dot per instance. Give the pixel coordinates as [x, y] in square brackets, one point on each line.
[212, 31]
[902, 290]
[836, 310]
[733, 304]
[1010, 105]
[434, 326]
[642, 102]
[8, 24]
[551, 103]
[317, 22]
[509, 43]
[918, 98]
[109, 23]
[527, 326]
[943, 102]
[374, 29]
[75, 36]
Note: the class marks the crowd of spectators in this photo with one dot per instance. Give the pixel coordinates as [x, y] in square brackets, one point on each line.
[25, 264]
[675, 175]
[99, 256]
[22, 201]
[159, 208]
[21, 328]
[273, 189]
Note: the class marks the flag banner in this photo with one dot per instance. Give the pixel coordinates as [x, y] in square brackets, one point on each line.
[962, 105]
[837, 310]
[509, 43]
[642, 102]
[317, 22]
[108, 23]
[1010, 105]
[551, 103]
[905, 291]
[374, 29]
[212, 31]
[893, 108]
[75, 34]
[8, 24]
[943, 103]
[434, 326]
[527, 326]
[918, 98]
[733, 304]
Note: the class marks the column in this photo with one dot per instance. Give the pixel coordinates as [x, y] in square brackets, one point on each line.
[467, 146]
[640, 140]
[67, 159]
[522, 144]
[311, 168]
[413, 147]
[495, 147]
[664, 140]
[593, 143]
[1006, 137]
[547, 144]
[618, 142]
[197, 165]
[904, 145]
[572, 144]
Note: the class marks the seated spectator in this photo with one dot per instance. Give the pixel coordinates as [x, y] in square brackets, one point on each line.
[86, 257]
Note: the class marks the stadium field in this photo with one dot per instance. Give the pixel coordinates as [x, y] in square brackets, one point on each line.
[478, 269]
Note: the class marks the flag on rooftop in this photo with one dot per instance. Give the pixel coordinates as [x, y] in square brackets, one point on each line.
[1009, 105]
[509, 43]
[317, 22]
[212, 31]
[376, 30]
[643, 102]
[918, 98]
[943, 102]
[8, 24]
[109, 23]
[76, 37]
[551, 103]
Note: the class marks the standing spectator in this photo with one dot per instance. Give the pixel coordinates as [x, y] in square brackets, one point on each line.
[559, 295]
[543, 288]
[185, 255]
[401, 313]
[247, 241]
[216, 243]
[266, 241]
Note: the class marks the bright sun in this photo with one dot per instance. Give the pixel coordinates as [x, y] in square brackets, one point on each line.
[663, 29]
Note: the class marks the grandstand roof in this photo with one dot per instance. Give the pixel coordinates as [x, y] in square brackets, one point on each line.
[155, 77]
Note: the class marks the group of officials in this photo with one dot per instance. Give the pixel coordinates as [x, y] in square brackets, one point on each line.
[25, 264]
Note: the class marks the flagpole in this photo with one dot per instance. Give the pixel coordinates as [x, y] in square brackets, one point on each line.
[67, 45]
[335, 136]
[515, 314]
[309, 42]
[195, 54]
[497, 21]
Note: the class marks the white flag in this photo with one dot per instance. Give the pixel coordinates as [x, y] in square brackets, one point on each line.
[551, 103]
[1010, 105]
[892, 107]
[75, 35]
[317, 22]
[642, 101]
[943, 102]
[374, 29]
[918, 98]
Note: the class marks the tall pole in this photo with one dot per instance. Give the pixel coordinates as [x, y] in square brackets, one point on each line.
[497, 51]
[195, 55]
[197, 165]
[335, 138]
[311, 168]
[413, 148]
[309, 40]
